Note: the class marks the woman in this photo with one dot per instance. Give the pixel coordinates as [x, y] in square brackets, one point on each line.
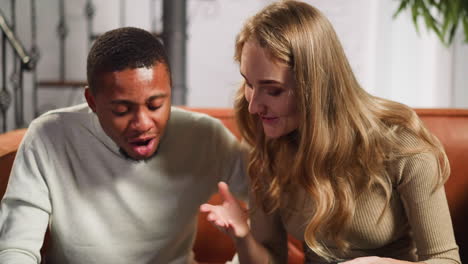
[358, 178]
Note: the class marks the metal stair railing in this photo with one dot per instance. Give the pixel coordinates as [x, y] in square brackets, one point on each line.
[26, 62]
[19, 95]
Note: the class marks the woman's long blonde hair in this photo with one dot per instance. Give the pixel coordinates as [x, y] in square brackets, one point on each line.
[345, 135]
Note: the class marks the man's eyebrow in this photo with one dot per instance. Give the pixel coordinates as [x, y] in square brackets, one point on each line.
[128, 102]
[157, 96]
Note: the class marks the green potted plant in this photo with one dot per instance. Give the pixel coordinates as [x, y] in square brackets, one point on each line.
[441, 16]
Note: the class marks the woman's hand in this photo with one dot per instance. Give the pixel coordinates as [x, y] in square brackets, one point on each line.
[229, 216]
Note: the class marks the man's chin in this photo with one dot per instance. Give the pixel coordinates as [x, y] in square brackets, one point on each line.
[136, 156]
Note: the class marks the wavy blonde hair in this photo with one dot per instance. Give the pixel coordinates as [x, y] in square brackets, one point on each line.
[345, 135]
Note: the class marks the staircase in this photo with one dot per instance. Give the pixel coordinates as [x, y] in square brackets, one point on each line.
[44, 45]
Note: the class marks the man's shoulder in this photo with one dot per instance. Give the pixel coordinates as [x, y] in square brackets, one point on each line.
[188, 117]
[61, 117]
[75, 109]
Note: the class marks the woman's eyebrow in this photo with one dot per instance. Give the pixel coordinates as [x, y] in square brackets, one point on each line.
[265, 81]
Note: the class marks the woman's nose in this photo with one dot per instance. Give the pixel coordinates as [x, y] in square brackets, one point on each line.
[256, 105]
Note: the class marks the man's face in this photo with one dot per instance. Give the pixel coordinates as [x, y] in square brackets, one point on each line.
[133, 108]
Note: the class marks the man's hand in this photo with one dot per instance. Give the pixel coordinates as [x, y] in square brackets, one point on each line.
[229, 217]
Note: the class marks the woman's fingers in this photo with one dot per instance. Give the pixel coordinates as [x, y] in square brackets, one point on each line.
[223, 190]
[228, 217]
[205, 208]
[215, 215]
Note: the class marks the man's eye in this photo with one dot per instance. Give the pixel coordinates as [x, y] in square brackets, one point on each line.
[154, 107]
[120, 113]
[120, 110]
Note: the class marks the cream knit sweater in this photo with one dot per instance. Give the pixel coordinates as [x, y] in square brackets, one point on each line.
[103, 208]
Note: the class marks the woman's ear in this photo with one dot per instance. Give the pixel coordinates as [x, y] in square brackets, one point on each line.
[90, 98]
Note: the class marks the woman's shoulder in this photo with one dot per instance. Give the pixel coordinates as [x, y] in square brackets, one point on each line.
[414, 156]
[409, 140]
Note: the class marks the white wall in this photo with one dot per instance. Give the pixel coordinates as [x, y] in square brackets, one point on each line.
[213, 77]
[412, 68]
[460, 72]
[388, 56]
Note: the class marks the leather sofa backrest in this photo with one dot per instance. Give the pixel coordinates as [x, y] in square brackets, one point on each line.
[9, 143]
[449, 125]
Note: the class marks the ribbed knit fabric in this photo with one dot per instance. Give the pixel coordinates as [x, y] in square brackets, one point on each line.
[103, 208]
[416, 226]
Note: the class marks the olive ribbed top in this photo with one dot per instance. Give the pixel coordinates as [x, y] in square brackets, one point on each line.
[415, 227]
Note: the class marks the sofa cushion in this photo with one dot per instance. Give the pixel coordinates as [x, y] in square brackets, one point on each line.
[9, 143]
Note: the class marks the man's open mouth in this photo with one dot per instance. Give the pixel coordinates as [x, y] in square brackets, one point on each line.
[142, 143]
[143, 147]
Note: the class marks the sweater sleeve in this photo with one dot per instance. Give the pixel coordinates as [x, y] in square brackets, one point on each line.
[427, 210]
[25, 208]
[232, 158]
[268, 229]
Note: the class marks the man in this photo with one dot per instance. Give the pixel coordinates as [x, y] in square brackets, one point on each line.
[121, 178]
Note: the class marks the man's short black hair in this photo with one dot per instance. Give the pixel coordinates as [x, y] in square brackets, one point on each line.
[123, 48]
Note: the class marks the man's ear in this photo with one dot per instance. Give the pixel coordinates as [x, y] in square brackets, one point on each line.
[90, 98]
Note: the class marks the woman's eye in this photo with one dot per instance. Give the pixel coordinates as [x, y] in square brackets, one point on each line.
[275, 92]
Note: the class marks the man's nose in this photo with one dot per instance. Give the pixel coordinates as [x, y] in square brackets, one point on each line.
[142, 121]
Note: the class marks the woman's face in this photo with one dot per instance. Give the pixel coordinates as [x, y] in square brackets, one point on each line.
[269, 91]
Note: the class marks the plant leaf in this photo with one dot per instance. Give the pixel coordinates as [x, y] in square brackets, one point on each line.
[440, 16]
[452, 34]
[414, 14]
[465, 27]
[401, 7]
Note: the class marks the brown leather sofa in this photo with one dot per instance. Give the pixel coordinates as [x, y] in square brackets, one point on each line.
[212, 246]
